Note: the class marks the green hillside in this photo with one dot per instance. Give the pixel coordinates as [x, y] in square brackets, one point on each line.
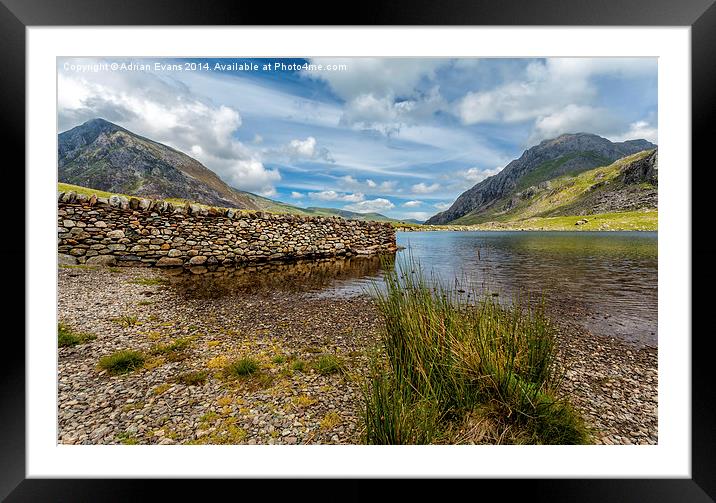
[601, 193]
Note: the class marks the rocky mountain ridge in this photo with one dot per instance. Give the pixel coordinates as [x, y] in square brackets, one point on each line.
[568, 154]
[105, 156]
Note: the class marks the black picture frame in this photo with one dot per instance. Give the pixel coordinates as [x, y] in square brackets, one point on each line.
[16, 15]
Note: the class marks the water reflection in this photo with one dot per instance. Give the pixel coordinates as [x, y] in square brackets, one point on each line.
[298, 276]
[606, 281]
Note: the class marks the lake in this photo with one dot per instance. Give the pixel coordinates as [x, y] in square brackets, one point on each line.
[606, 281]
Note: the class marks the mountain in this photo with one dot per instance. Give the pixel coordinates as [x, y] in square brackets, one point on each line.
[626, 185]
[566, 155]
[349, 215]
[105, 156]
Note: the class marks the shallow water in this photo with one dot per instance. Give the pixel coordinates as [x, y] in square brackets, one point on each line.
[606, 281]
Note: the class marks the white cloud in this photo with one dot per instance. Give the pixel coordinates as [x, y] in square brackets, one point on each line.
[382, 93]
[167, 111]
[388, 185]
[417, 215]
[573, 119]
[307, 149]
[442, 206]
[589, 67]
[332, 195]
[351, 183]
[303, 148]
[558, 94]
[389, 114]
[423, 188]
[412, 204]
[376, 76]
[297, 195]
[475, 175]
[251, 173]
[370, 206]
[637, 131]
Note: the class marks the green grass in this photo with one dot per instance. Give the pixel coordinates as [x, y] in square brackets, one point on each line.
[67, 187]
[327, 364]
[122, 362]
[567, 196]
[174, 350]
[623, 221]
[193, 378]
[446, 357]
[126, 320]
[545, 171]
[298, 365]
[242, 367]
[66, 337]
[125, 438]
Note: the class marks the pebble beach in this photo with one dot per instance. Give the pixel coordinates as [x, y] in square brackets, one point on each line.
[291, 399]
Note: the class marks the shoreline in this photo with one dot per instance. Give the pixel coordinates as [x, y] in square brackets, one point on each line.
[472, 228]
[613, 383]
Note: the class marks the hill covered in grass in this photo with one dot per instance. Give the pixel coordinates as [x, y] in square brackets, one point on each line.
[566, 155]
[623, 195]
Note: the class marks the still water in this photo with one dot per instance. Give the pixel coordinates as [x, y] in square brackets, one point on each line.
[606, 281]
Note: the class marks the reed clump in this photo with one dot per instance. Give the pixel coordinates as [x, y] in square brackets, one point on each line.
[447, 355]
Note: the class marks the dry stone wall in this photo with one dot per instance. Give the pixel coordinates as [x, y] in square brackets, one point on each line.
[143, 232]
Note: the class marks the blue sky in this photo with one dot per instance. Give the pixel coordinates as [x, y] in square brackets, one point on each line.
[400, 136]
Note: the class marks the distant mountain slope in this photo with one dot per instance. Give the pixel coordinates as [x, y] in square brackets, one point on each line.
[627, 185]
[102, 155]
[568, 154]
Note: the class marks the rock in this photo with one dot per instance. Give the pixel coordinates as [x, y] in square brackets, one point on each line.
[63, 259]
[114, 201]
[581, 221]
[197, 260]
[116, 234]
[169, 262]
[102, 260]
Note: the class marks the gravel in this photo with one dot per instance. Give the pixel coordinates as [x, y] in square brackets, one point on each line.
[612, 383]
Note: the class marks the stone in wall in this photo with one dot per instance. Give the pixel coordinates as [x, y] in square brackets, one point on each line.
[143, 232]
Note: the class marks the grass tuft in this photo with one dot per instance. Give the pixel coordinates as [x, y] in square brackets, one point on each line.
[122, 362]
[126, 320]
[193, 378]
[174, 351]
[242, 367]
[328, 364]
[298, 366]
[66, 337]
[447, 355]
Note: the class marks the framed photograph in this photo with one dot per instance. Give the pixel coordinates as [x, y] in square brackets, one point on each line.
[423, 242]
